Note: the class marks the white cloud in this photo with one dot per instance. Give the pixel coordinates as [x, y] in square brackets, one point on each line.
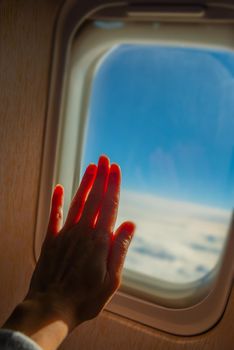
[175, 241]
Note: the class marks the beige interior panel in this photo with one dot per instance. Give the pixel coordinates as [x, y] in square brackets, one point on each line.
[26, 39]
[25, 43]
[110, 331]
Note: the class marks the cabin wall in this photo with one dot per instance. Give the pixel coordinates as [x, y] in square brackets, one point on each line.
[26, 29]
[26, 39]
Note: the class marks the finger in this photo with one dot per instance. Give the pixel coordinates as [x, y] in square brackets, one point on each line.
[80, 197]
[96, 194]
[109, 209]
[120, 243]
[56, 213]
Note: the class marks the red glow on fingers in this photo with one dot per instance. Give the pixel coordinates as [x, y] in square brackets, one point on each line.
[80, 197]
[96, 194]
[112, 237]
[57, 198]
[104, 160]
[104, 166]
[115, 175]
[56, 214]
[119, 247]
[87, 183]
[128, 228]
[115, 168]
[58, 195]
[95, 220]
[91, 169]
[85, 188]
[59, 189]
[109, 206]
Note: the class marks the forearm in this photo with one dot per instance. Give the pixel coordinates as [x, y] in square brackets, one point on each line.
[40, 323]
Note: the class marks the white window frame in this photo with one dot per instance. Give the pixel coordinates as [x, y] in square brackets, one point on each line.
[88, 50]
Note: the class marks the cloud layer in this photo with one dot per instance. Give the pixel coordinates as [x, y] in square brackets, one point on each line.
[175, 241]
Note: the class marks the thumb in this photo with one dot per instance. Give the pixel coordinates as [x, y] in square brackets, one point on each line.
[120, 243]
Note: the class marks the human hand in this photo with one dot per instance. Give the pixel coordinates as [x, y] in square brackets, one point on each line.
[81, 263]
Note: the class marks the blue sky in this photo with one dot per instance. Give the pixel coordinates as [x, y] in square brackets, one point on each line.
[165, 114]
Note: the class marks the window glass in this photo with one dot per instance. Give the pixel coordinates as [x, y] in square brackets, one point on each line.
[165, 114]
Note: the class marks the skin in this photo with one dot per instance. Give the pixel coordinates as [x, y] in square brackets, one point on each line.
[81, 262]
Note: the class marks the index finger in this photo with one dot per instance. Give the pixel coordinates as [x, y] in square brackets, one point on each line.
[79, 199]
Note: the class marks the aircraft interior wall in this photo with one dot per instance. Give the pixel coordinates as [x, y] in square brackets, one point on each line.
[26, 49]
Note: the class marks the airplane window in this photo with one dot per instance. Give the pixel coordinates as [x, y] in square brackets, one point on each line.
[165, 114]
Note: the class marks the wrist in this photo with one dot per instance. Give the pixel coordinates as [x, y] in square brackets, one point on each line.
[39, 320]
